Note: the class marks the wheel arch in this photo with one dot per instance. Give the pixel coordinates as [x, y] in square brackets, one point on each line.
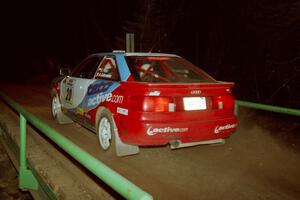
[53, 92]
[98, 114]
[60, 117]
[121, 148]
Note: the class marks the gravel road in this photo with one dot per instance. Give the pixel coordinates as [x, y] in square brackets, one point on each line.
[253, 164]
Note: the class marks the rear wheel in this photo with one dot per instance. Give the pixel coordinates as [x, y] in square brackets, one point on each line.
[105, 131]
[57, 113]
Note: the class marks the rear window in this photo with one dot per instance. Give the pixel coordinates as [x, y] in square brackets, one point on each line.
[165, 69]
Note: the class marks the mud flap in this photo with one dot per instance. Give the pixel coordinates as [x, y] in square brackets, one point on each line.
[123, 149]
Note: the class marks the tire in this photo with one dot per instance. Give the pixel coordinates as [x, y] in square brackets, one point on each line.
[57, 113]
[105, 131]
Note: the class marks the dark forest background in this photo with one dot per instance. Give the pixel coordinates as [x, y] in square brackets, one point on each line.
[255, 44]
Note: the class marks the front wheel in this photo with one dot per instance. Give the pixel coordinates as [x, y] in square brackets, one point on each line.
[57, 113]
[105, 131]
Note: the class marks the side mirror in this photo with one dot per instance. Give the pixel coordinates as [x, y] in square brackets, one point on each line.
[64, 71]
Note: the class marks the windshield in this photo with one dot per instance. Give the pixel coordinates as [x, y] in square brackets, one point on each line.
[165, 69]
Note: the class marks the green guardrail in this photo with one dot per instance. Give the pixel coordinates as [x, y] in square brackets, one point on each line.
[26, 178]
[43, 191]
[259, 106]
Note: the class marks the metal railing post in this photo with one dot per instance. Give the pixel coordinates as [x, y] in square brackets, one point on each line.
[112, 178]
[22, 142]
[26, 178]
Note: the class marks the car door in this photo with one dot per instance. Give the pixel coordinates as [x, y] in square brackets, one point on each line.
[74, 87]
[103, 90]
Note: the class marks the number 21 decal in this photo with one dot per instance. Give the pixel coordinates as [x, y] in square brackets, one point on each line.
[69, 94]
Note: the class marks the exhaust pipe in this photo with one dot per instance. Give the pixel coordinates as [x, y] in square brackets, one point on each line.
[175, 144]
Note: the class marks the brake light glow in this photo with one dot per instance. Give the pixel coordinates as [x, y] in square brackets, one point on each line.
[153, 104]
[224, 102]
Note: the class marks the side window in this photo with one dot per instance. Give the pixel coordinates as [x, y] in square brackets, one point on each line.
[87, 68]
[107, 69]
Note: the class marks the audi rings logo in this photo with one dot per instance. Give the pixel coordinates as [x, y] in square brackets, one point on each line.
[196, 92]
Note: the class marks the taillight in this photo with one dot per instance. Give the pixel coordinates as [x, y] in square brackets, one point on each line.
[224, 102]
[153, 104]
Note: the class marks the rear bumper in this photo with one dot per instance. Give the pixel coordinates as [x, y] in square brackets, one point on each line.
[157, 133]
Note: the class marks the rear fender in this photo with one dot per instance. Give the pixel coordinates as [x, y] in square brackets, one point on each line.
[122, 149]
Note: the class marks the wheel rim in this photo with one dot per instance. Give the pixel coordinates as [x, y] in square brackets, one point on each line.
[104, 133]
[55, 106]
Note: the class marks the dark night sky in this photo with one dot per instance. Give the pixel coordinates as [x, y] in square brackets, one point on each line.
[255, 42]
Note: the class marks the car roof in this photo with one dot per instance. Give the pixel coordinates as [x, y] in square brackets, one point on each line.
[134, 54]
[149, 54]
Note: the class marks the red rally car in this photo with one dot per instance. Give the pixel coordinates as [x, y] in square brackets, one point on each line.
[144, 99]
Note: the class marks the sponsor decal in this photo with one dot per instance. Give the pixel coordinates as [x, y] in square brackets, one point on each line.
[100, 98]
[105, 75]
[106, 69]
[99, 88]
[88, 116]
[154, 93]
[218, 129]
[69, 92]
[70, 82]
[153, 131]
[100, 92]
[79, 111]
[122, 111]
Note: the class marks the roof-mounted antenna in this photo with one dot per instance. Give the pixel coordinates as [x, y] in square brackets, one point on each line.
[129, 42]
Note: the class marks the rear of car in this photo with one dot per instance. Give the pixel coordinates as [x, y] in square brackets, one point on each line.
[172, 101]
[144, 99]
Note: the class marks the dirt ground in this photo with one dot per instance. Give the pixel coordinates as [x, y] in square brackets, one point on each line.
[9, 180]
[260, 161]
